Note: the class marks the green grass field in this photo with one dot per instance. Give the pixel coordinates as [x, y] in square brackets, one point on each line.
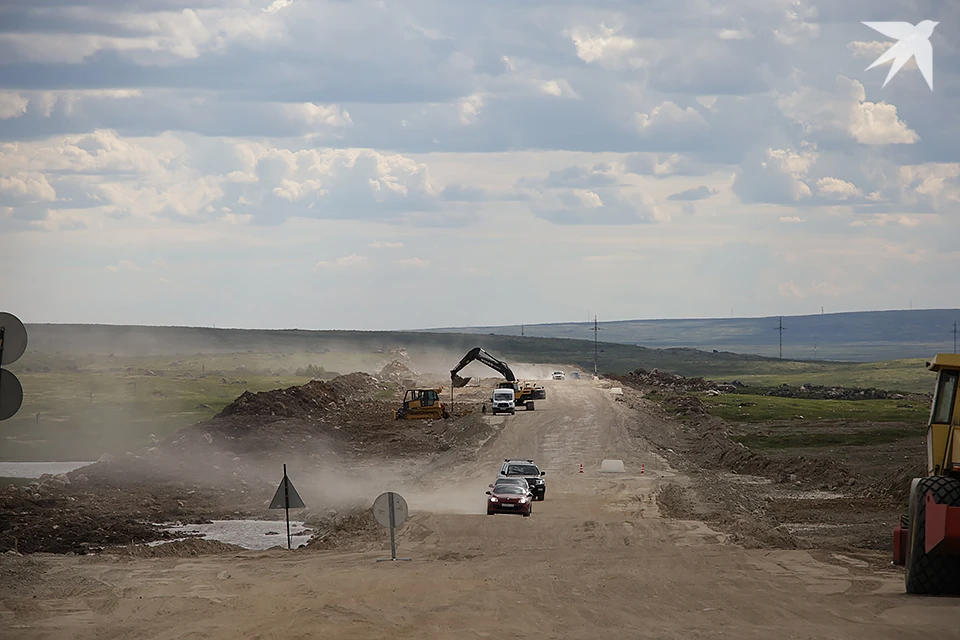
[755, 408]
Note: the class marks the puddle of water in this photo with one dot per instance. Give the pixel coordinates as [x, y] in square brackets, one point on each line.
[249, 534]
[37, 469]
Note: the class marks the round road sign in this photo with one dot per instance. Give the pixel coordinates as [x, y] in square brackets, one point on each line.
[14, 338]
[11, 394]
[381, 509]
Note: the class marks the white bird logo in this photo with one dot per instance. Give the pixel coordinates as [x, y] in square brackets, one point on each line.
[913, 42]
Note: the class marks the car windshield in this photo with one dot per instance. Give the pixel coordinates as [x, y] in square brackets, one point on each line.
[522, 470]
[510, 488]
[520, 482]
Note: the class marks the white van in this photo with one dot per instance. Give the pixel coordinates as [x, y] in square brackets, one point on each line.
[503, 401]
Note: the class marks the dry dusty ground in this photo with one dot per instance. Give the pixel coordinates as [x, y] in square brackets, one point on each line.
[596, 558]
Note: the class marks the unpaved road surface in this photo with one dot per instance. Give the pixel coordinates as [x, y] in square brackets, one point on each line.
[596, 560]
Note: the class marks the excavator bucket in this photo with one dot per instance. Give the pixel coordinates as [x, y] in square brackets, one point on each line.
[457, 382]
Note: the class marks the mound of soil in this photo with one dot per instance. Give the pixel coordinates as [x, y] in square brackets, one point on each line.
[176, 549]
[335, 530]
[396, 371]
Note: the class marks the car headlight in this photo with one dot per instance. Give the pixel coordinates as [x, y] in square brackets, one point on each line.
[492, 499]
[523, 500]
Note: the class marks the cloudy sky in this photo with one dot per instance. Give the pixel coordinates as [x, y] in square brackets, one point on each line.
[355, 164]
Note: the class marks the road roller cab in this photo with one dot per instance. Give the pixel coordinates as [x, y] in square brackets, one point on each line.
[927, 539]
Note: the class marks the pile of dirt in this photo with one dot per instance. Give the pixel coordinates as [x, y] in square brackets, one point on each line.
[177, 549]
[641, 378]
[684, 405]
[69, 523]
[820, 392]
[335, 529]
[356, 387]
[660, 380]
[397, 372]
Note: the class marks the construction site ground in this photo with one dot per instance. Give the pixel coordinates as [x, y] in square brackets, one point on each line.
[700, 537]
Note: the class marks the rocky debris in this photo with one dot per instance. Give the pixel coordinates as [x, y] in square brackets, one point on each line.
[672, 382]
[334, 528]
[178, 548]
[655, 379]
[397, 372]
[820, 392]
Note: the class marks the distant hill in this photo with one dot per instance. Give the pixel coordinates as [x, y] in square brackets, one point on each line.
[140, 341]
[855, 336]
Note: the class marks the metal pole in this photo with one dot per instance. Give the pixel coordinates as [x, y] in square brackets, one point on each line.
[1, 345]
[595, 334]
[393, 524]
[954, 337]
[286, 502]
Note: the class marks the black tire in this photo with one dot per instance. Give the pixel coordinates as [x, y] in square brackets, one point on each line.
[530, 406]
[930, 574]
[489, 513]
[526, 515]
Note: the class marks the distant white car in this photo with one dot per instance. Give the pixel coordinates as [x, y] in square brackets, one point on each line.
[558, 375]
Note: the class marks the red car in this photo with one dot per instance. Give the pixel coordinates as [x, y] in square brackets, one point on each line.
[507, 498]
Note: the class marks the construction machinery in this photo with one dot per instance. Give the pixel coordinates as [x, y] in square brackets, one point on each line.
[927, 540]
[524, 395]
[422, 404]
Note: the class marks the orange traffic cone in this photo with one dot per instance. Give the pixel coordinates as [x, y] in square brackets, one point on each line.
[641, 468]
[581, 467]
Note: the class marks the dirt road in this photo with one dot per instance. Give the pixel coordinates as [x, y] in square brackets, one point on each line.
[595, 559]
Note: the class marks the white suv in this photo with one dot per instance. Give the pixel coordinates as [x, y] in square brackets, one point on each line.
[558, 375]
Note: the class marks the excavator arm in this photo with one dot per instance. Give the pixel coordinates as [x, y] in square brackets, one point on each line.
[479, 354]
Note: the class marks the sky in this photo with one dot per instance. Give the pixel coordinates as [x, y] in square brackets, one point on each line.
[371, 165]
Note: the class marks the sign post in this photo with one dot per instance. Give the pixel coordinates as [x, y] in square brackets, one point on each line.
[286, 498]
[390, 510]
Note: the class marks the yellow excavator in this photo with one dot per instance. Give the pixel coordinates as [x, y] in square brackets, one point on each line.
[422, 404]
[926, 542]
[523, 395]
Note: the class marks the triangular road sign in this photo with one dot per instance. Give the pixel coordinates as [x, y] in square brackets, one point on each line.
[279, 501]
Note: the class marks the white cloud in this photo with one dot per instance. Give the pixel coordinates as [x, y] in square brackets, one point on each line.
[318, 115]
[559, 88]
[346, 262]
[604, 46]
[791, 219]
[836, 189]
[123, 265]
[413, 262]
[670, 119]
[12, 105]
[378, 244]
[27, 187]
[848, 113]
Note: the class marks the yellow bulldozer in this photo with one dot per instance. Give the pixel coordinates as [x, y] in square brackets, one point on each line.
[422, 404]
[926, 542]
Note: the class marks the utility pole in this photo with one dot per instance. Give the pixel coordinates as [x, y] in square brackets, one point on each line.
[521, 329]
[781, 329]
[954, 337]
[596, 329]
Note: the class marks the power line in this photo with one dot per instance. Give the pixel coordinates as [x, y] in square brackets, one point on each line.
[595, 330]
[781, 329]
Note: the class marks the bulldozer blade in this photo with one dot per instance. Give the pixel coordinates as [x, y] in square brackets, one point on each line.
[942, 527]
[457, 382]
